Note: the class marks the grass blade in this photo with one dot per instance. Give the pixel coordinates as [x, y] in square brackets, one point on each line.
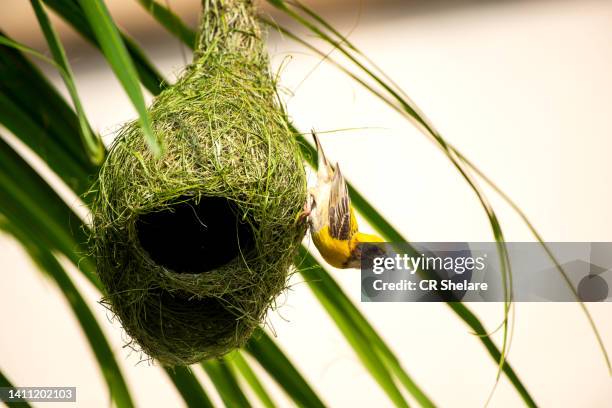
[368, 347]
[170, 21]
[38, 115]
[31, 200]
[91, 142]
[274, 361]
[4, 382]
[21, 125]
[73, 14]
[117, 56]
[7, 42]
[189, 387]
[240, 365]
[551, 256]
[225, 383]
[100, 347]
[326, 288]
[360, 346]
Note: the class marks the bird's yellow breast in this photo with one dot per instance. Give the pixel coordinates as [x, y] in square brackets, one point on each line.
[336, 252]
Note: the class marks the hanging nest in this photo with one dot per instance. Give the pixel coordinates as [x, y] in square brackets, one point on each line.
[192, 248]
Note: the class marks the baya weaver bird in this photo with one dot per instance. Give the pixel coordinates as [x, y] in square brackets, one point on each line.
[331, 218]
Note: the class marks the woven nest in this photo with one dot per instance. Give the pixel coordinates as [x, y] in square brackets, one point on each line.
[193, 247]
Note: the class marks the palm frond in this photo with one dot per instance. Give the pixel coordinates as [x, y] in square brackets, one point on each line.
[189, 387]
[33, 110]
[241, 366]
[226, 384]
[91, 142]
[72, 13]
[371, 348]
[170, 21]
[105, 357]
[268, 354]
[4, 382]
[117, 55]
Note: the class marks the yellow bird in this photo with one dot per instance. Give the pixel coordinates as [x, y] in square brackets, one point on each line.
[331, 218]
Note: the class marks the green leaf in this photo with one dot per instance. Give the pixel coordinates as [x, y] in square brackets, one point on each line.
[119, 59]
[225, 383]
[38, 115]
[73, 14]
[100, 347]
[274, 361]
[28, 199]
[4, 382]
[340, 306]
[21, 125]
[241, 366]
[365, 350]
[91, 142]
[550, 254]
[18, 46]
[170, 21]
[189, 387]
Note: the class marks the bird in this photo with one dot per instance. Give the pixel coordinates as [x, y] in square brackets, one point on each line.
[331, 217]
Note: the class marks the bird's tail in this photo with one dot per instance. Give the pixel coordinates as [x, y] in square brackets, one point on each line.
[325, 168]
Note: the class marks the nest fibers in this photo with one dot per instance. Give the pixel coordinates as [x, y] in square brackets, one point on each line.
[192, 248]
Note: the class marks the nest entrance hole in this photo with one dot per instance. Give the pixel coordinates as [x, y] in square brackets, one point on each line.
[195, 238]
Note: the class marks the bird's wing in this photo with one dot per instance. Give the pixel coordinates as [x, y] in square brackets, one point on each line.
[342, 222]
